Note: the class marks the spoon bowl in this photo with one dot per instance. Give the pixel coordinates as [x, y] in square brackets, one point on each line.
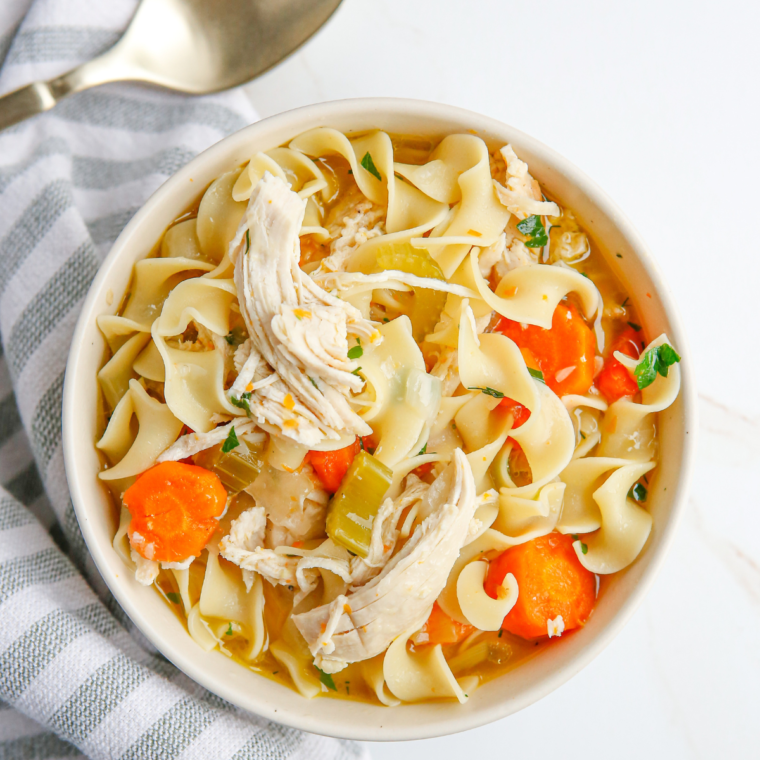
[193, 46]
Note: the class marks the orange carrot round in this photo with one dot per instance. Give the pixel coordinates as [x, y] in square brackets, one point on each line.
[173, 507]
[615, 381]
[564, 353]
[441, 629]
[331, 466]
[551, 582]
[521, 413]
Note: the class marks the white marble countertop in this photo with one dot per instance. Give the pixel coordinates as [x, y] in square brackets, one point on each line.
[656, 101]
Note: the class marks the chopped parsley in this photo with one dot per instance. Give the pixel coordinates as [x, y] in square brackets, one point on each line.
[369, 165]
[583, 435]
[500, 632]
[422, 450]
[228, 632]
[638, 492]
[584, 548]
[385, 319]
[635, 326]
[235, 337]
[242, 402]
[585, 275]
[231, 442]
[326, 678]
[533, 229]
[313, 383]
[247, 241]
[537, 374]
[619, 255]
[488, 391]
[656, 360]
[356, 371]
[356, 352]
[173, 597]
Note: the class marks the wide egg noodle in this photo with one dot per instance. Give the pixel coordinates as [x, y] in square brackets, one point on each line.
[203, 301]
[628, 429]
[405, 399]
[158, 429]
[121, 539]
[584, 415]
[488, 541]
[478, 608]
[254, 170]
[372, 672]
[522, 518]
[478, 219]
[494, 361]
[625, 525]
[219, 216]
[194, 385]
[150, 364]
[224, 597]
[580, 513]
[419, 676]
[529, 294]
[547, 440]
[152, 282]
[181, 241]
[115, 375]
[117, 330]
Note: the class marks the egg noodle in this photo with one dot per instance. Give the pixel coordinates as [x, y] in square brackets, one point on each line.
[378, 417]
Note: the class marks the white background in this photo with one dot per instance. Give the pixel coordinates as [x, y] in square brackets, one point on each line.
[658, 102]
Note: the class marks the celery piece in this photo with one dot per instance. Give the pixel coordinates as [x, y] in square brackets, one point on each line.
[237, 469]
[427, 304]
[470, 657]
[353, 508]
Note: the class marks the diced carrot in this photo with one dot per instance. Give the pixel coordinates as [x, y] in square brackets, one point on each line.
[441, 629]
[521, 413]
[551, 582]
[564, 353]
[331, 466]
[615, 381]
[174, 507]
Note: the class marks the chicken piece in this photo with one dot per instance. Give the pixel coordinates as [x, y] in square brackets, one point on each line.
[193, 443]
[299, 330]
[352, 222]
[522, 194]
[362, 624]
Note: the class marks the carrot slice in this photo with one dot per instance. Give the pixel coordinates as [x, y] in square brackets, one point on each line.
[173, 507]
[614, 381]
[331, 466]
[564, 353]
[521, 413]
[551, 582]
[441, 629]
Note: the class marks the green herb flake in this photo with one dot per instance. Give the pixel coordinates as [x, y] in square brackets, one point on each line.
[311, 379]
[356, 352]
[361, 443]
[369, 165]
[326, 678]
[350, 171]
[500, 632]
[385, 319]
[574, 536]
[229, 631]
[583, 435]
[638, 492]
[635, 326]
[533, 229]
[584, 548]
[619, 255]
[235, 337]
[231, 442]
[488, 391]
[624, 303]
[247, 241]
[356, 371]
[585, 275]
[537, 374]
[242, 402]
[657, 360]
[173, 597]
[275, 672]
[422, 450]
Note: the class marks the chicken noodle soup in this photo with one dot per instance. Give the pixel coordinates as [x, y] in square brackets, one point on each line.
[380, 417]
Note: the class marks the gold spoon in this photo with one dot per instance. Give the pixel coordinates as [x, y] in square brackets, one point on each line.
[194, 46]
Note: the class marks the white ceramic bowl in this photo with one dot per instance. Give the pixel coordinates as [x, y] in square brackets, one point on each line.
[97, 516]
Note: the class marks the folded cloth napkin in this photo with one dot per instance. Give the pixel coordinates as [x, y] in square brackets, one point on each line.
[76, 677]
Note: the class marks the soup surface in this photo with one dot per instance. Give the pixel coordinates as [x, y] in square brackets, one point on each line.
[379, 418]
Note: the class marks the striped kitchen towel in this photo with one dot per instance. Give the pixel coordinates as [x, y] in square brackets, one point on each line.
[76, 678]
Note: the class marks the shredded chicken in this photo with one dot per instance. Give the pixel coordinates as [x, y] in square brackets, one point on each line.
[192, 443]
[352, 222]
[364, 623]
[522, 194]
[300, 331]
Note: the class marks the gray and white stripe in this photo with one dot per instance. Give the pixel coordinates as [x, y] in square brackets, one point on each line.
[76, 678]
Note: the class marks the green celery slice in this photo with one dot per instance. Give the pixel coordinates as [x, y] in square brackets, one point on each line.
[426, 304]
[354, 506]
[237, 469]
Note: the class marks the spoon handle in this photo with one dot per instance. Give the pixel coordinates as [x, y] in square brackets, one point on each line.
[25, 102]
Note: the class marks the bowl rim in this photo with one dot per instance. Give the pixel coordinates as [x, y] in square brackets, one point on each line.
[316, 114]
